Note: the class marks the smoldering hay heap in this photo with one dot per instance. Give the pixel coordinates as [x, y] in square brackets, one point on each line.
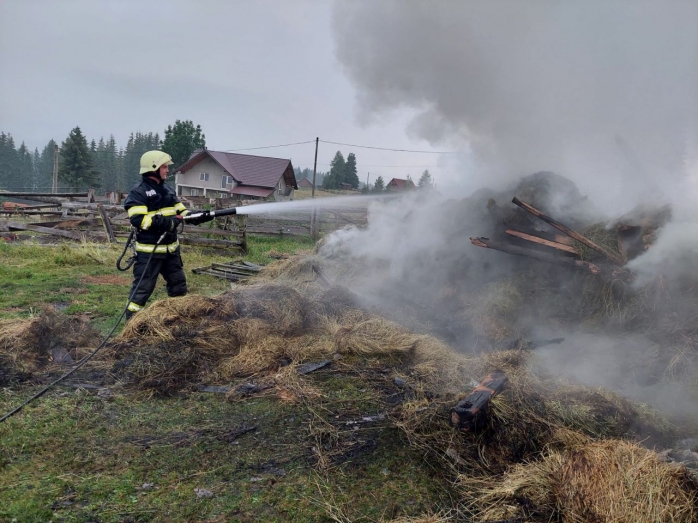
[419, 314]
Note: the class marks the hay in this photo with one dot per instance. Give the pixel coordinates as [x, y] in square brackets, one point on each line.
[374, 337]
[259, 349]
[492, 310]
[25, 344]
[600, 481]
[530, 416]
[282, 306]
[166, 320]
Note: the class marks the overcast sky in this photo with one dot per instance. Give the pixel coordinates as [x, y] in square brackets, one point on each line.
[250, 73]
[602, 92]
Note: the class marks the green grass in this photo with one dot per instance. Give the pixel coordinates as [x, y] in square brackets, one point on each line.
[72, 456]
[83, 279]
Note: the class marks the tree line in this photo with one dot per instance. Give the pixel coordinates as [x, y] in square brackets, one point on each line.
[84, 164]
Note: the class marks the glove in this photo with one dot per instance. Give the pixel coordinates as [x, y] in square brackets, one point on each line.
[205, 217]
[173, 222]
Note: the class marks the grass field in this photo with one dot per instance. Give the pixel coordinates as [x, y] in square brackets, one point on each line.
[83, 279]
[76, 455]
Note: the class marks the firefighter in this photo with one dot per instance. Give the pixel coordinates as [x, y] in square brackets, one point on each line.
[153, 209]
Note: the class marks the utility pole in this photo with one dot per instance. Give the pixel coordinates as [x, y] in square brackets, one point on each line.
[317, 140]
[367, 177]
[313, 217]
[55, 168]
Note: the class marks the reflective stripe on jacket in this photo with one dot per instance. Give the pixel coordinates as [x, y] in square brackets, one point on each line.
[145, 202]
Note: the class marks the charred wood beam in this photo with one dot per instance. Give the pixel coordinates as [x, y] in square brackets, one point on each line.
[573, 234]
[471, 412]
[553, 236]
[542, 241]
[542, 256]
[601, 270]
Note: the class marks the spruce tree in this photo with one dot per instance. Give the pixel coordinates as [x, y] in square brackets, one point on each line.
[335, 177]
[45, 170]
[26, 169]
[425, 181]
[9, 166]
[36, 170]
[181, 140]
[379, 185]
[350, 173]
[76, 168]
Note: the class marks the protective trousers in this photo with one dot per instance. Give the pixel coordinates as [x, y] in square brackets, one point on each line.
[172, 270]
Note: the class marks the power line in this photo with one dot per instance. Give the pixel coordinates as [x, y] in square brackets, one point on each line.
[389, 149]
[268, 146]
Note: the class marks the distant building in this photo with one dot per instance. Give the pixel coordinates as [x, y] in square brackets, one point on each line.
[220, 175]
[398, 184]
[305, 184]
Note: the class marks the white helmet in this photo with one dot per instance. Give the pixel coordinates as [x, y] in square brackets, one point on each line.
[152, 160]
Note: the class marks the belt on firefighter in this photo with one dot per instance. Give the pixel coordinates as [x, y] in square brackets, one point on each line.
[157, 249]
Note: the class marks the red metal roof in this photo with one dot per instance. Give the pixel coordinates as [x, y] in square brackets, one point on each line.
[259, 171]
[261, 192]
[399, 183]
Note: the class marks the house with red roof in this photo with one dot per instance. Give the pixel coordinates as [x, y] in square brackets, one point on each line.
[217, 174]
[398, 184]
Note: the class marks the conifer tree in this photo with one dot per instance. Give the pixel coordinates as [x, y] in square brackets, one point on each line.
[9, 168]
[335, 177]
[26, 169]
[45, 170]
[181, 140]
[76, 168]
[350, 173]
[36, 166]
[425, 181]
[379, 185]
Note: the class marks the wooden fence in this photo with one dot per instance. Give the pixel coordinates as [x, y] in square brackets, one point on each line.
[79, 215]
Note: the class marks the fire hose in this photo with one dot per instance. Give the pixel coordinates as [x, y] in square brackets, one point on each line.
[200, 217]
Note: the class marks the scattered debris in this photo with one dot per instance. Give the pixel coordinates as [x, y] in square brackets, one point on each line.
[203, 493]
[469, 414]
[230, 271]
[307, 368]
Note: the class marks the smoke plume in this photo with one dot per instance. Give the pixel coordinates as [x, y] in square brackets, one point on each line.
[603, 93]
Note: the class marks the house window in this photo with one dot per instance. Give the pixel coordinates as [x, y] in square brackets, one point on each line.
[226, 180]
[193, 192]
[203, 177]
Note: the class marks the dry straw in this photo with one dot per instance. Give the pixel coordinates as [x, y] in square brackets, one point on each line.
[605, 481]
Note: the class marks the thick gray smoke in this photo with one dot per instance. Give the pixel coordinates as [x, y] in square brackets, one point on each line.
[601, 92]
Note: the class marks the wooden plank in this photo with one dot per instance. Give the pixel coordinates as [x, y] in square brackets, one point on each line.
[32, 213]
[28, 195]
[470, 414]
[542, 241]
[106, 223]
[573, 234]
[553, 236]
[46, 230]
[548, 258]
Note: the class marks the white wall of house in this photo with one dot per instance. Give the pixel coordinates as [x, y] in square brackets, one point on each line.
[204, 179]
[281, 190]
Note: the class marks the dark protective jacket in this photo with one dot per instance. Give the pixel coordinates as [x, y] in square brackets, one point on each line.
[150, 206]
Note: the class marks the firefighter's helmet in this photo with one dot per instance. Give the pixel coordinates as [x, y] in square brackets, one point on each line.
[152, 160]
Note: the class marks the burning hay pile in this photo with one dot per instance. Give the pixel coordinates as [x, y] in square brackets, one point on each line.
[549, 450]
